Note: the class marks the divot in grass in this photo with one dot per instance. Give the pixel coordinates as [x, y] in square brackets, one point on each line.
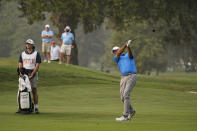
[193, 92]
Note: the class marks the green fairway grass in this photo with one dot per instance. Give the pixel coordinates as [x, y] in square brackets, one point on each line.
[73, 98]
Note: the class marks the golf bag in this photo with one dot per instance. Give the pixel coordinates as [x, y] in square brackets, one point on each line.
[25, 104]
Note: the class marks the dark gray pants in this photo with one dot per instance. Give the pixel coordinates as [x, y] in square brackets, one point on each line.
[126, 85]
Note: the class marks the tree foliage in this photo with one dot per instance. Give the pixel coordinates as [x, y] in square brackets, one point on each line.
[148, 49]
[15, 31]
[175, 19]
[92, 45]
[63, 12]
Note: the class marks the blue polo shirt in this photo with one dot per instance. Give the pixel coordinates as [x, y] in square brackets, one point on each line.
[67, 38]
[125, 64]
[50, 33]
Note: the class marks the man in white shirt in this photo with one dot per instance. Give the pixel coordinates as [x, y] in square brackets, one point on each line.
[55, 51]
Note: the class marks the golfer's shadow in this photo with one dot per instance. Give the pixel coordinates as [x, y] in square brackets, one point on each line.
[76, 115]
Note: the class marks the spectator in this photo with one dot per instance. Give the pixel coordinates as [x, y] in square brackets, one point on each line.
[46, 43]
[67, 43]
[55, 51]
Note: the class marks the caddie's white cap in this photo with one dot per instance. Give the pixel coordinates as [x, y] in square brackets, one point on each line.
[30, 41]
[47, 26]
[115, 48]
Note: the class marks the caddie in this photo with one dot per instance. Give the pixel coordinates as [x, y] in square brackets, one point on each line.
[30, 60]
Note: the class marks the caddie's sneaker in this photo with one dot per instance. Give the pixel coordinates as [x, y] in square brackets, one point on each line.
[49, 61]
[45, 60]
[131, 114]
[60, 62]
[37, 111]
[18, 111]
[122, 118]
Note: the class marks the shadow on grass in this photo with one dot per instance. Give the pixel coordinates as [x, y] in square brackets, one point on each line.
[76, 115]
[64, 116]
[60, 114]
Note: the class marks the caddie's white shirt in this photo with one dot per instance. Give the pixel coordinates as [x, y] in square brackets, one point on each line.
[55, 51]
[29, 60]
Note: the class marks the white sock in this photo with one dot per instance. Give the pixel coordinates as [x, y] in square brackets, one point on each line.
[36, 106]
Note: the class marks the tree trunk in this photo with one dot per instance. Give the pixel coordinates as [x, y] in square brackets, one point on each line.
[74, 55]
[157, 72]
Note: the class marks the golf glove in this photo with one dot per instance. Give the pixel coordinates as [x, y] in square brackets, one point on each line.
[128, 43]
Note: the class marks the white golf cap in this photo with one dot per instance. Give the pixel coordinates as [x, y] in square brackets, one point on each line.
[115, 48]
[47, 26]
[67, 27]
[30, 41]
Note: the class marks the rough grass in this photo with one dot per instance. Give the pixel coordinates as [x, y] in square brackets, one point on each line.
[73, 98]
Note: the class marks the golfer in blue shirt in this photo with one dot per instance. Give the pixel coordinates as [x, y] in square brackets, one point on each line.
[126, 64]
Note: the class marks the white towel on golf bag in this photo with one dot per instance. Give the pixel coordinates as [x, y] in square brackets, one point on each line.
[24, 83]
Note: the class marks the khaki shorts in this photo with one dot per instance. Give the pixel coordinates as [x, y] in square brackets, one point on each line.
[66, 49]
[34, 81]
[46, 47]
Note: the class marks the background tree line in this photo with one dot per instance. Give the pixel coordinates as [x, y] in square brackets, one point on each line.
[15, 30]
[166, 29]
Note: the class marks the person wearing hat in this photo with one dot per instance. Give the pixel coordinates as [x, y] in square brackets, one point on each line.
[55, 51]
[126, 64]
[30, 60]
[46, 43]
[67, 43]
